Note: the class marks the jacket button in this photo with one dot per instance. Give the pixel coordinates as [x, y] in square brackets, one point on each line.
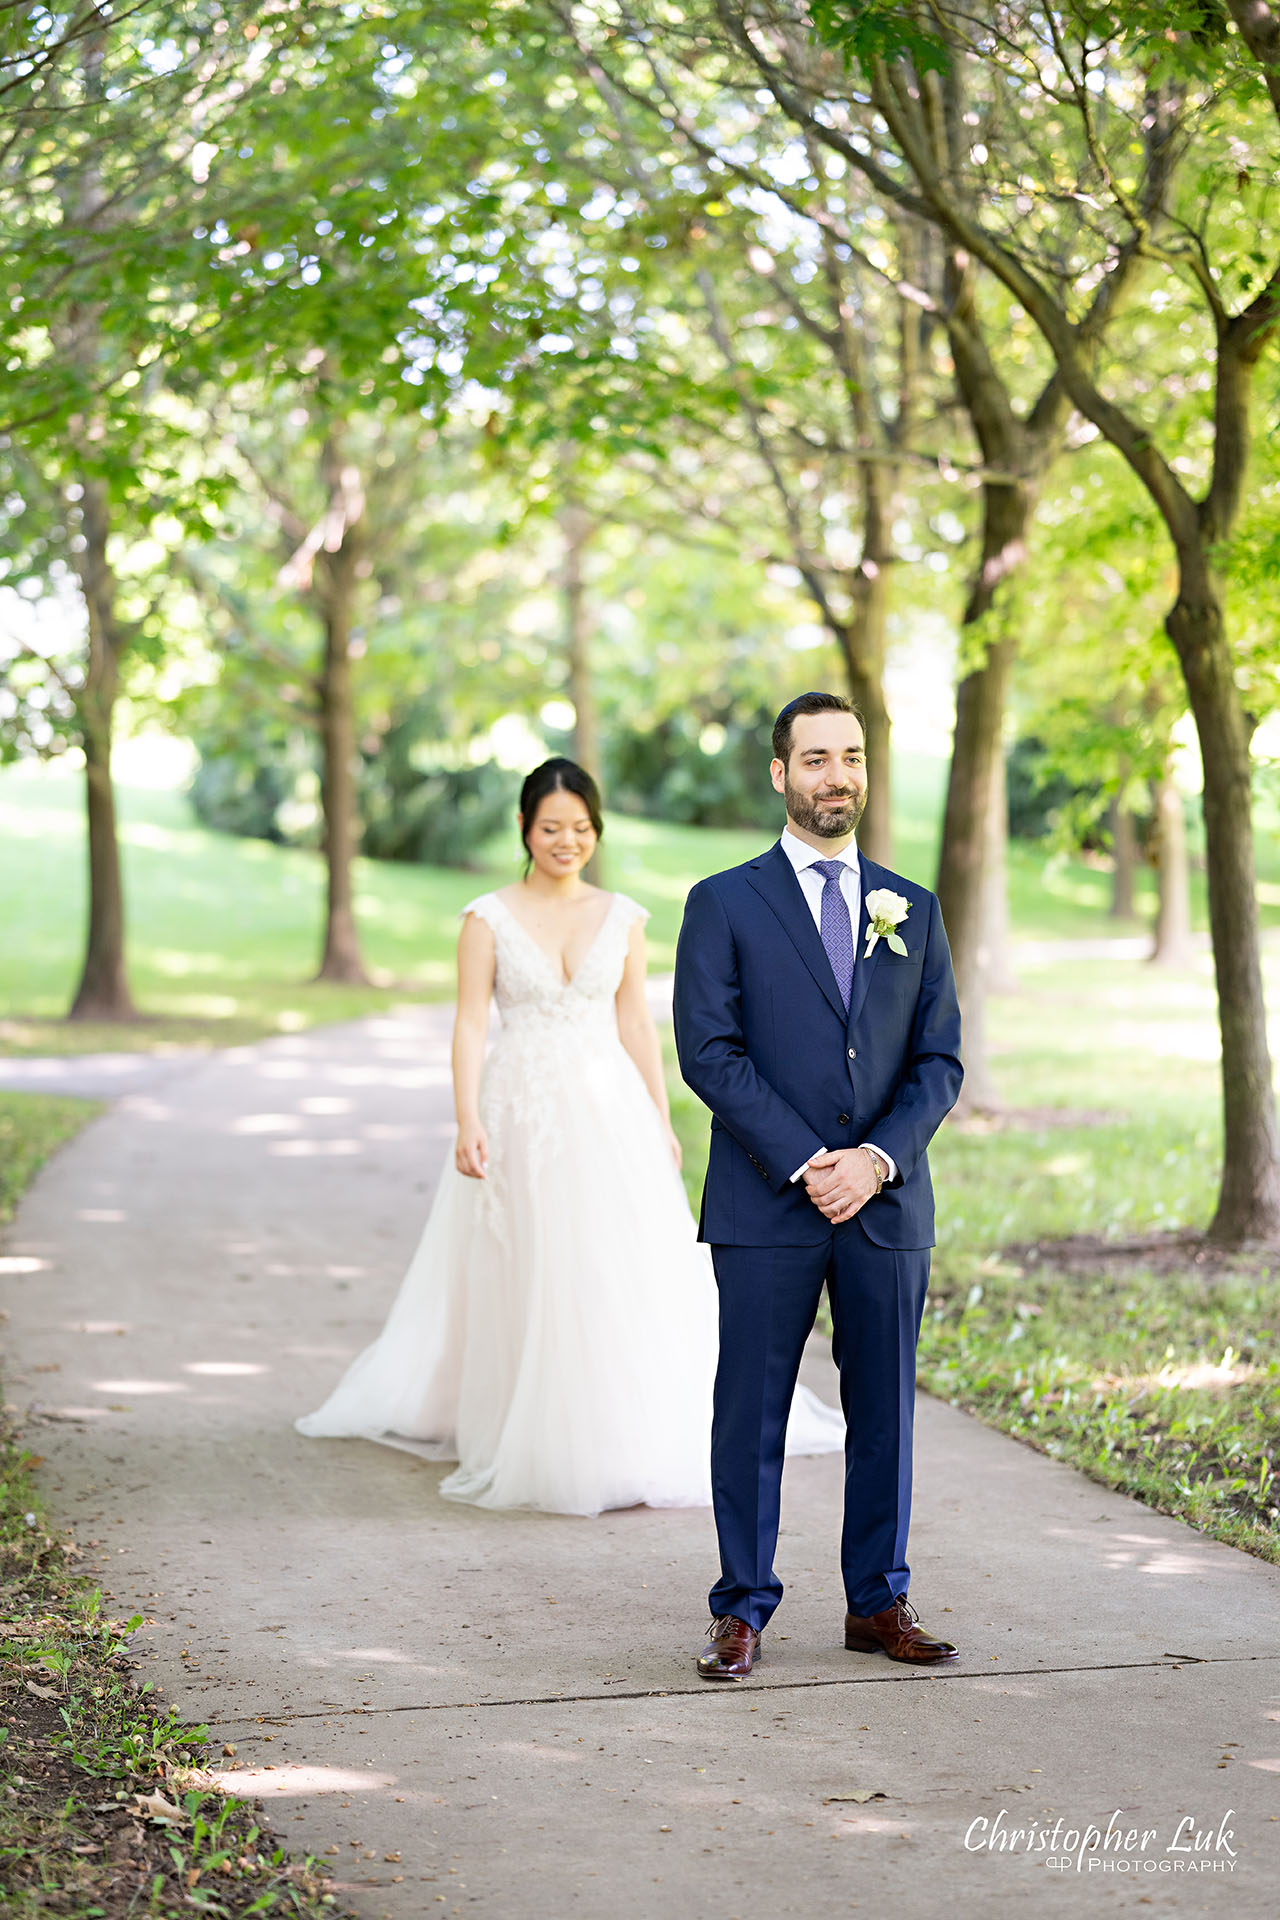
[842, 1119]
[853, 1053]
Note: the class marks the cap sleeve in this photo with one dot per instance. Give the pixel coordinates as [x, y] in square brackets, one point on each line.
[630, 911]
[485, 906]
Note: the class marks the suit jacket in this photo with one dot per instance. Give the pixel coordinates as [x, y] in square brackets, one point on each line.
[765, 1042]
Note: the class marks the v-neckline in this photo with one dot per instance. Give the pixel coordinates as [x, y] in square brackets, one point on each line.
[557, 967]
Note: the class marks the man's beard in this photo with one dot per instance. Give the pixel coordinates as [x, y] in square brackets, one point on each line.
[832, 823]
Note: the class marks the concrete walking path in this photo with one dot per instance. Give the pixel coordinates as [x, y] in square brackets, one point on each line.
[497, 1713]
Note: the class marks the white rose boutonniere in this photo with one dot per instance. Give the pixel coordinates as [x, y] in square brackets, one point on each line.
[886, 912]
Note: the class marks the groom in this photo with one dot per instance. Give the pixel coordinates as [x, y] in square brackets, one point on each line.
[816, 1016]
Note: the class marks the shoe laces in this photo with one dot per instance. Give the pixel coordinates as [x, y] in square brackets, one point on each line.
[723, 1623]
[906, 1606]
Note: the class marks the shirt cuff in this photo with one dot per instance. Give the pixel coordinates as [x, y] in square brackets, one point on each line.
[880, 1152]
[803, 1168]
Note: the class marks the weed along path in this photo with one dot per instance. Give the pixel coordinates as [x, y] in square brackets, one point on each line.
[497, 1713]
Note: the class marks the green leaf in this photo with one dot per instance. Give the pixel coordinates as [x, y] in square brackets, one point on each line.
[866, 31]
[897, 943]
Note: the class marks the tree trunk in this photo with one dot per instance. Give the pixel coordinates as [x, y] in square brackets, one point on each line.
[577, 527]
[103, 992]
[862, 646]
[1172, 946]
[1124, 857]
[963, 865]
[975, 823]
[342, 960]
[1001, 977]
[1249, 1203]
[975, 782]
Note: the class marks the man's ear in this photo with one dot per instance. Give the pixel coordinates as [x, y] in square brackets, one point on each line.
[778, 775]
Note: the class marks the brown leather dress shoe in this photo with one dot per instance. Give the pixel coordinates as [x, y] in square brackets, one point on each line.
[898, 1633]
[730, 1651]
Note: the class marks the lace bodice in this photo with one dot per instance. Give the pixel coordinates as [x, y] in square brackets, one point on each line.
[528, 983]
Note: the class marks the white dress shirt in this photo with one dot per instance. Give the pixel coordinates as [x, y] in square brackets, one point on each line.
[803, 859]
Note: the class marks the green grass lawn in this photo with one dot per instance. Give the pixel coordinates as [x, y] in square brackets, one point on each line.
[32, 1126]
[1132, 1355]
[1148, 1368]
[224, 933]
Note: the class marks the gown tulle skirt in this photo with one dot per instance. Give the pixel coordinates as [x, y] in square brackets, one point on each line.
[556, 1330]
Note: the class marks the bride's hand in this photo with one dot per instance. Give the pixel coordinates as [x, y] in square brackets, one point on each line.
[677, 1153]
[471, 1154]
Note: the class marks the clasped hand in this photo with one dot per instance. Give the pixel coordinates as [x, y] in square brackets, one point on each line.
[841, 1182]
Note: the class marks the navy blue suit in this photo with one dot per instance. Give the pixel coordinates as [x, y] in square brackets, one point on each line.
[765, 1041]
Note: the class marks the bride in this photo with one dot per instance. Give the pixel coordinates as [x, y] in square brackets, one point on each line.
[556, 1330]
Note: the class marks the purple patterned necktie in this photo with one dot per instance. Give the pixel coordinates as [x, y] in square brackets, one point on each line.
[837, 926]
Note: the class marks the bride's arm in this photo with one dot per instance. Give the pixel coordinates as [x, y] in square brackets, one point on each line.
[470, 1030]
[637, 1032]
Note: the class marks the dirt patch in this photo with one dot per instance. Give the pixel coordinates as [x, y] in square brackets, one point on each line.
[72, 1839]
[1033, 1119]
[1161, 1253]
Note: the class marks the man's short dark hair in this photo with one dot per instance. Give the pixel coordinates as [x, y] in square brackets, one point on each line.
[809, 703]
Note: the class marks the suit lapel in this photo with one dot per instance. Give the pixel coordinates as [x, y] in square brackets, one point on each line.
[774, 879]
[871, 877]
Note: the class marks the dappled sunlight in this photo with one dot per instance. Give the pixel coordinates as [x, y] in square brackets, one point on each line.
[1200, 1376]
[281, 1780]
[101, 1216]
[266, 1123]
[77, 1414]
[1171, 1040]
[324, 1105]
[181, 963]
[1265, 1766]
[847, 1824]
[1169, 1561]
[1144, 1553]
[224, 1367]
[385, 1656]
[313, 1149]
[1063, 1165]
[139, 1387]
[23, 1263]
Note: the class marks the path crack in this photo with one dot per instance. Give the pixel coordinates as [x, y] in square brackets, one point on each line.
[284, 1717]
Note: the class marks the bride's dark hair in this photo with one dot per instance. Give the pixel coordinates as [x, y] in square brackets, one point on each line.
[557, 776]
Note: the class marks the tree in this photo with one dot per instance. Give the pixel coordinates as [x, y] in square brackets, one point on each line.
[777, 265]
[156, 252]
[1102, 74]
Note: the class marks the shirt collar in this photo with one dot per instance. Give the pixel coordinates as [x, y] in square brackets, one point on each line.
[802, 855]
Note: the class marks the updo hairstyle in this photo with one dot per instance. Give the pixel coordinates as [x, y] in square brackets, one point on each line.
[557, 776]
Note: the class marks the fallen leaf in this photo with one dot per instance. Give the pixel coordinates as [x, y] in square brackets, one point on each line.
[43, 1693]
[860, 1796]
[155, 1807]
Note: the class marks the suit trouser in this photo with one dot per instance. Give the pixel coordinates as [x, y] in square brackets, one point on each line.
[768, 1303]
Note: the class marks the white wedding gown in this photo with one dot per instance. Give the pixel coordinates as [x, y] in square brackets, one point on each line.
[556, 1330]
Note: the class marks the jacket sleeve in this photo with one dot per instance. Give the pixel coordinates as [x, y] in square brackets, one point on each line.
[712, 1048]
[930, 1083]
